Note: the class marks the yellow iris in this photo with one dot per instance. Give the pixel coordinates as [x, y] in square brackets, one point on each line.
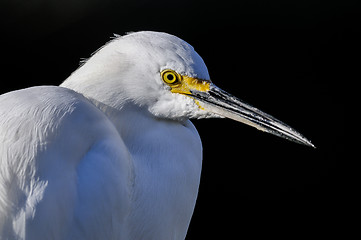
[184, 84]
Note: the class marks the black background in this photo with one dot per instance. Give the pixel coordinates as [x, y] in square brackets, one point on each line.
[292, 59]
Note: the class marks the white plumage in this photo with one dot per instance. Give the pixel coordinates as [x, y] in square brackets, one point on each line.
[111, 154]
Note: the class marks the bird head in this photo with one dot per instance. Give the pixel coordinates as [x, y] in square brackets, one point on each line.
[164, 75]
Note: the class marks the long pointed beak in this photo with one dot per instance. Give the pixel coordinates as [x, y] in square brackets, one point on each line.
[224, 104]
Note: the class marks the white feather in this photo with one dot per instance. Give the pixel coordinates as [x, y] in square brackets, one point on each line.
[110, 156]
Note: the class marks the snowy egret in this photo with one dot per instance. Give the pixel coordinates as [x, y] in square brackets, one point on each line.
[111, 153]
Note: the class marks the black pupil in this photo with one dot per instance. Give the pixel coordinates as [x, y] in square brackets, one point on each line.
[170, 77]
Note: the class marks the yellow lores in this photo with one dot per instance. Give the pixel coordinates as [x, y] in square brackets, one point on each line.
[183, 84]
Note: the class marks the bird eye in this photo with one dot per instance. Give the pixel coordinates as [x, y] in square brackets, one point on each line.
[170, 77]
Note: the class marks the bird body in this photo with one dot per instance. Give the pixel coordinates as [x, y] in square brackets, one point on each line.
[111, 153]
[92, 176]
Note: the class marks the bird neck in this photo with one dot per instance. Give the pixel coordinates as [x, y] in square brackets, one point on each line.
[129, 119]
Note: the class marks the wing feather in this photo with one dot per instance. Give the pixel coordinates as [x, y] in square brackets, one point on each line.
[57, 151]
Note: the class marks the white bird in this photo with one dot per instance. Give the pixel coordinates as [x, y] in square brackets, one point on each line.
[111, 153]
